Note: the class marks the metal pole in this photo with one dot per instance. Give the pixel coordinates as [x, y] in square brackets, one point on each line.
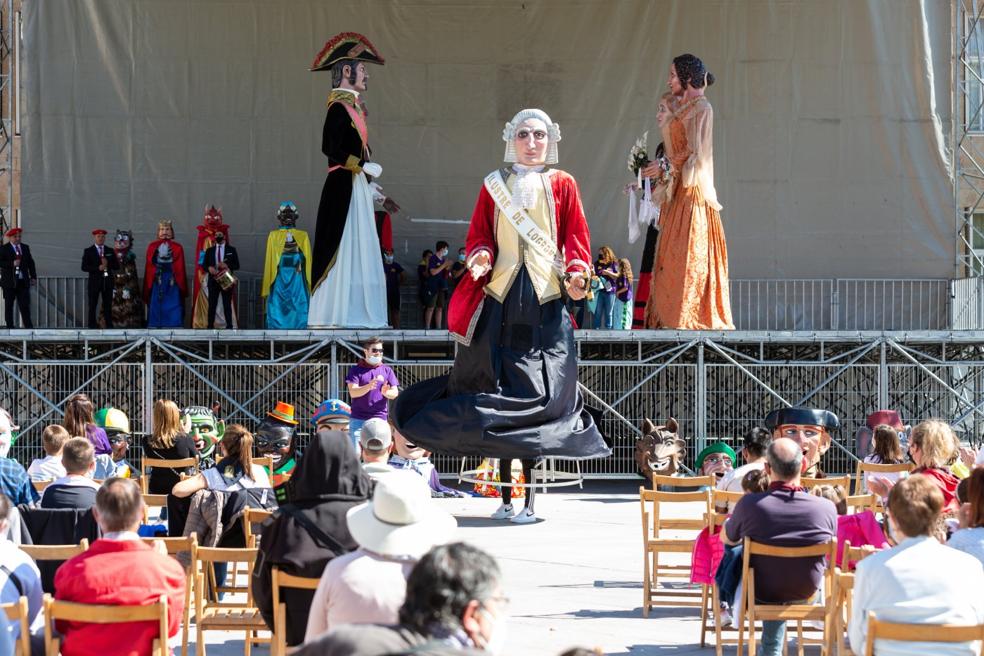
[883, 380]
[333, 372]
[148, 387]
[700, 400]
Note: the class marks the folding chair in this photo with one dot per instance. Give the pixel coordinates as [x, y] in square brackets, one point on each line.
[853, 554]
[210, 613]
[251, 517]
[873, 468]
[653, 544]
[17, 613]
[266, 462]
[799, 613]
[40, 486]
[861, 502]
[680, 483]
[175, 546]
[842, 597]
[877, 629]
[103, 614]
[844, 481]
[41, 552]
[175, 463]
[153, 501]
[278, 643]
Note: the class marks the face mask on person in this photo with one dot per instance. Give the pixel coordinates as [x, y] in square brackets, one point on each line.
[495, 642]
[219, 238]
[374, 360]
[388, 258]
[442, 253]
[461, 257]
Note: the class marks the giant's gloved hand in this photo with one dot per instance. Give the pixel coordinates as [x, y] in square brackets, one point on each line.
[373, 169]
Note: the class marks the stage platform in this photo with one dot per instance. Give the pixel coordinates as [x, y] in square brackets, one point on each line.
[717, 384]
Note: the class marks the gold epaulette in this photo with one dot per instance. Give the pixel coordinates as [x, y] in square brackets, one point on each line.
[337, 95]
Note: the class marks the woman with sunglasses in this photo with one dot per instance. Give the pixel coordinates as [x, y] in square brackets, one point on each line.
[371, 385]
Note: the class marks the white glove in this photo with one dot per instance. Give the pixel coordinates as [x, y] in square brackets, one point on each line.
[377, 192]
[373, 169]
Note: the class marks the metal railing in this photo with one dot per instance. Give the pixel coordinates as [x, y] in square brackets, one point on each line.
[757, 304]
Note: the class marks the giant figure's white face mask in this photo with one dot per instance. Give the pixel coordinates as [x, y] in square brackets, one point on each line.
[531, 142]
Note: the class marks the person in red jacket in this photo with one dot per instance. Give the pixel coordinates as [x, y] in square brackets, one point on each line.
[119, 569]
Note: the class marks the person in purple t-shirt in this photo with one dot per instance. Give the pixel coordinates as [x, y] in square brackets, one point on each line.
[436, 292]
[371, 385]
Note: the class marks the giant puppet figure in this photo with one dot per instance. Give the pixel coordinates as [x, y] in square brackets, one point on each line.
[808, 427]
[347, 281]
[512, 392]
[128, 309]
[164, 280]
[211, 225]
[287, 273]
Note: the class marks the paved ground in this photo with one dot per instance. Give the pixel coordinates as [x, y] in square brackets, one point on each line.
[574, 578]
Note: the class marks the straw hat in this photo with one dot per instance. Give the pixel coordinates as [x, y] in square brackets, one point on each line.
[401, 519]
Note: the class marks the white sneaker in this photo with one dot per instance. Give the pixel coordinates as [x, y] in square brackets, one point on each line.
[725, 614]
[504, 512]
[525, 517]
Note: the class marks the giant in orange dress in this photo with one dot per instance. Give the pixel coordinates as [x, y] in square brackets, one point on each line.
[689, 288]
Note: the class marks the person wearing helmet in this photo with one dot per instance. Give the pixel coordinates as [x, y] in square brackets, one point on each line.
[117, 426]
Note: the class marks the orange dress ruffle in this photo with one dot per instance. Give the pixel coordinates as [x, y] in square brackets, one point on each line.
[689, 288]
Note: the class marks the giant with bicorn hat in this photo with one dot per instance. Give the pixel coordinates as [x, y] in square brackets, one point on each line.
[808, 427]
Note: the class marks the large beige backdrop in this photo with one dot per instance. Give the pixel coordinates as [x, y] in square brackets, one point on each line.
[831, 131]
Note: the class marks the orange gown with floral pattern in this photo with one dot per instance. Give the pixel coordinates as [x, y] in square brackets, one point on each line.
[689, 287]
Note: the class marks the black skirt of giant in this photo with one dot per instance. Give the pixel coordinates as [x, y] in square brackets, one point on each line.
[339, 140]
[512, 393]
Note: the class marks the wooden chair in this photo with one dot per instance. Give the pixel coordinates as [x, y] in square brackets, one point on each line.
[873, 468]
[679, 483]
[40, 486]
[153, 501]
[710, 619]
[654, 544]
[17, 613]
[861, 502]
[103, 614]
[55, 551]
[174, 547]
[210, 613]
[842, 596]
[799, 613]
[844, 481]
[266, 462]
[853, 554]
[251, 517]
[724, 498]
[878, 629]
[278, 645]
[150, 463]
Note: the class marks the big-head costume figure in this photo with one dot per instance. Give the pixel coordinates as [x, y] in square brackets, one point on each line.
[165, 287]
[211, 225]
[287, 273]
[207, 431]
[862, 439]
[275, 438]
[512, 392]
[117, 426]
[347, 281]
[716, 460]
[332, 415]
[808, 427]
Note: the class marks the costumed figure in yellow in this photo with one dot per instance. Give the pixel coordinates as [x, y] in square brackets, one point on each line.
[287, 273]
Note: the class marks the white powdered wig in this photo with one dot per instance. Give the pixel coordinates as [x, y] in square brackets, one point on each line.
[509, 134]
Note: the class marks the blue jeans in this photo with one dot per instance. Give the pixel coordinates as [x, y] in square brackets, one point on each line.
[773, 637]
[603, 314]
[355, 432]
[728, 575]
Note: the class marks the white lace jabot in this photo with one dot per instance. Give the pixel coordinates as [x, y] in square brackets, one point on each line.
[525, 185]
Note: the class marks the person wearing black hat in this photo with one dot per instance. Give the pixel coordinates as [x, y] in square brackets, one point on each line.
[17, 275]
[100, 263]
[808, 427]
[348, 288]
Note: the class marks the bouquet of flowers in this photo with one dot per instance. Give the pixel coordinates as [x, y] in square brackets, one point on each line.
[638, 158]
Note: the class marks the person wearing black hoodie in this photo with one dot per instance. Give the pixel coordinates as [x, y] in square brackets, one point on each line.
[310, 529]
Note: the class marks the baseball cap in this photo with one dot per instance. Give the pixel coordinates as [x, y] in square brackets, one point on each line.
[376, 436]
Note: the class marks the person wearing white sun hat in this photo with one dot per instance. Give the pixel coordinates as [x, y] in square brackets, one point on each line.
[393, 530]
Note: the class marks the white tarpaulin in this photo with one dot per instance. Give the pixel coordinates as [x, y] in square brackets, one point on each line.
[830, 136]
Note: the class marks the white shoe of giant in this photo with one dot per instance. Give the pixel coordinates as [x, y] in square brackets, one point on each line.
[504, 512]
[525, 517]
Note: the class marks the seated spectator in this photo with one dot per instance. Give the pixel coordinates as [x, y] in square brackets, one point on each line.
[860, 529]
[393, 531]
[454, 604]
[886, 451]
[786, 516]
[377, 443]
[408, 456]
[305, 534]
[931, 445]
[50, 466]
[7, 428]
[15, 484]
[80, 422]
[755, 482]
[970, 537]
[919, 581]
[119, 569]
[756, 443]
[76, 489]
[19, 575]
[234, 471]
[167, 441]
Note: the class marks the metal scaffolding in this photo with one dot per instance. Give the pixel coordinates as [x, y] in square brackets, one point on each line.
[717, 385]
[8, 100]
[968, 135]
